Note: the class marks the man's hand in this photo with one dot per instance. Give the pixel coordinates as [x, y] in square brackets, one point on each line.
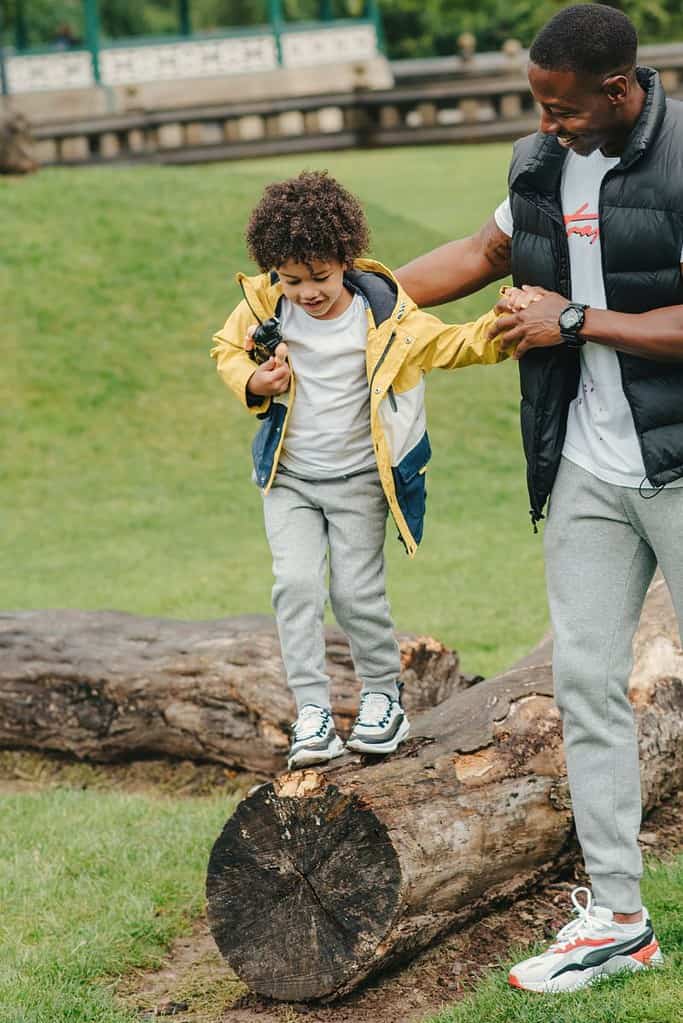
[529, 319]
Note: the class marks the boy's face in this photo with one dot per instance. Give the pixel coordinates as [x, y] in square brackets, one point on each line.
[318, 287]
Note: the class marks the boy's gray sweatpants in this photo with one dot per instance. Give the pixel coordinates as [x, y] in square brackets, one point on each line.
[347, 518]
[602, 545]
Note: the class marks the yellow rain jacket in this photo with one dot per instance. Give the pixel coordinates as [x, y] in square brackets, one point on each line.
[404, 343]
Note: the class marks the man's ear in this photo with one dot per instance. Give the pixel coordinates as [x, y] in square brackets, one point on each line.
[616, 88]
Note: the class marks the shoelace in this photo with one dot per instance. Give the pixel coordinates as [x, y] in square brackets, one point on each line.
[585, 923]
[310, 720]
[375, 709]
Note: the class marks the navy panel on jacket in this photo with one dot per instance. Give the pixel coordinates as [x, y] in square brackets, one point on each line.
[411, 489]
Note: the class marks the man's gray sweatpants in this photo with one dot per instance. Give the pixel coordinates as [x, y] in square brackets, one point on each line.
[602, 545]
[345, 520]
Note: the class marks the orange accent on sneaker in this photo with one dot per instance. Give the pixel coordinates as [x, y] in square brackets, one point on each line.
[644, 955]
[512, 980]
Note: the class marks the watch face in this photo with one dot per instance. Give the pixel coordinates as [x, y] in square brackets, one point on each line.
[570, 318]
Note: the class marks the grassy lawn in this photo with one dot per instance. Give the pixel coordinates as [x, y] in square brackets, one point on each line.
[125, 461]
[91, 885]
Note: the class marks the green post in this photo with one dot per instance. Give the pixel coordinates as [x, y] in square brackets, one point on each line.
[4, 87]
[326, 13]
[275, 18]
[373, 14]
[184, 20]
[91, 17]
[20, 30]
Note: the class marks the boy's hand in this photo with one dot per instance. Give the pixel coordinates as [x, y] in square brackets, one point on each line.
[514, 299]
[528, 317]
[281, 352]
[270, 378]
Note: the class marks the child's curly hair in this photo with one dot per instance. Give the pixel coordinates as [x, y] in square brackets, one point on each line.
[308, 217]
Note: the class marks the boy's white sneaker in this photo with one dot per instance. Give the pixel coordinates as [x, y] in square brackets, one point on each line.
[589, 947]
[314, 738]
[380, 726]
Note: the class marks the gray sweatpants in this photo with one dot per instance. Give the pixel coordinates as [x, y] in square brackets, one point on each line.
[344, 521]
[602, 545]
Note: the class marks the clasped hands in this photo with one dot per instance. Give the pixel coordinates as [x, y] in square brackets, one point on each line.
[271, 377]
[528, 317]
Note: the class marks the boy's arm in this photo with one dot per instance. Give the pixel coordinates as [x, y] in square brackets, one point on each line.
[454, 346]
[232, 359]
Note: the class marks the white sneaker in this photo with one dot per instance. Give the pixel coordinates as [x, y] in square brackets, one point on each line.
[380, 726]
[314, 738]
[590, 946]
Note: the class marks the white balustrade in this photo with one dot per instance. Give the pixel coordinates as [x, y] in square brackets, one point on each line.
[191, 58]
[44, 71]
[328, 46]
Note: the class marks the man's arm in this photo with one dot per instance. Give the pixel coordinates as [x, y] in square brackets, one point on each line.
[657, 334]
[458, 268]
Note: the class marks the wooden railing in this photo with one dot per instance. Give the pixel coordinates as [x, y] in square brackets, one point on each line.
[422, 108]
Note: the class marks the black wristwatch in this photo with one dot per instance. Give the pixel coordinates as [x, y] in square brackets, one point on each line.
[571, 321]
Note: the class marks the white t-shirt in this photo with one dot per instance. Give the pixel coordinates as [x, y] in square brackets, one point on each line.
[601, 436]
[328, 434]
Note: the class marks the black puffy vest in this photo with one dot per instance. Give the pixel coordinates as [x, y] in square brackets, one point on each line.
[641, 233]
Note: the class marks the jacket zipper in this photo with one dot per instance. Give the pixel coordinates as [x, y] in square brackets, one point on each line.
[535, 512]
[392, 338]
[392, 399]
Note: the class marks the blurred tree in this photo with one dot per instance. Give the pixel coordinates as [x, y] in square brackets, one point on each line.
[210, 14]
[413, 28]
[427, 27]
[43, 19]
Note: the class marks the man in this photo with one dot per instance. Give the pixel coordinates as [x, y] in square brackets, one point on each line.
[595, 218]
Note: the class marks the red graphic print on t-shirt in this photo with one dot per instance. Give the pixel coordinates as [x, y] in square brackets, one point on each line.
[580, 223]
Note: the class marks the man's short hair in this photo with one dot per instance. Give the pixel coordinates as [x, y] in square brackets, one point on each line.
[587, 39]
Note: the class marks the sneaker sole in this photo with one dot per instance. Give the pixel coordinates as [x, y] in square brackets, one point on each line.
[359, 746]
[575, 980]
[309, 757]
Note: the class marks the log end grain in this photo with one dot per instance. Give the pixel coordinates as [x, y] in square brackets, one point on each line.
[304, 861]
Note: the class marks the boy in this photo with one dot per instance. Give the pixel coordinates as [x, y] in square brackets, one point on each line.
[343, 440]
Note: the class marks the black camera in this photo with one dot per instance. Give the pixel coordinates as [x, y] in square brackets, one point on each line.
[266, 338]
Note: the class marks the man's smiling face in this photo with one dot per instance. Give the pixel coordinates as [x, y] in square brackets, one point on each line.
[582, 111]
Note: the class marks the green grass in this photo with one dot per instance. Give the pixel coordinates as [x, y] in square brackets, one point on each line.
[124, 460]
[92, 885]
[654, 996]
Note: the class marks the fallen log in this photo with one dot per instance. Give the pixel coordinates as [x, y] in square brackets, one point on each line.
[323, 878]
[16, 144]
[107, 686]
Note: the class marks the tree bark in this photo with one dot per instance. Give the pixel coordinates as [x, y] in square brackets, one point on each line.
[323, 878]
[108, 686]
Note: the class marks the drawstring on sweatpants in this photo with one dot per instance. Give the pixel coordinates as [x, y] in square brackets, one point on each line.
[655, 490]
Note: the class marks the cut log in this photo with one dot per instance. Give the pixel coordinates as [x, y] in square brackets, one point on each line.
[323, 878]
[16, 144]
[108, 686]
